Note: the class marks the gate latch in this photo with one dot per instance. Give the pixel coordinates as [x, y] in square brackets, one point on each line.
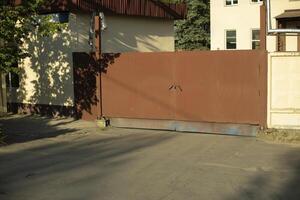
[175, 87]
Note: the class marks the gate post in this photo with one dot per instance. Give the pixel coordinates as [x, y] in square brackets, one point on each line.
[263, 30]
[98, 52]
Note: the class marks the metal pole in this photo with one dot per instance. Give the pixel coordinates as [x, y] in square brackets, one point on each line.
[98, 60]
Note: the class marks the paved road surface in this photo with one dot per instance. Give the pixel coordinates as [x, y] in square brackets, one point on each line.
[73, 160]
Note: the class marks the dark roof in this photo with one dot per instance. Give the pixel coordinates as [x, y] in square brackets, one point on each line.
[146, 8]
[289, 14]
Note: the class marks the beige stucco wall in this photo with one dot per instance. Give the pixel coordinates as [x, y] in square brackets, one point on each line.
[47, 76]
[277, 8]
[283, 75]
[284, 90]
[242, 17]
[126, 34]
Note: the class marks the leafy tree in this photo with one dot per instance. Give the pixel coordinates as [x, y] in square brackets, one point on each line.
[194, 31]
[16, 24]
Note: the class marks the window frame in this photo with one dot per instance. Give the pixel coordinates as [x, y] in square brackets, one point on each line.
[59, 17]
[253, 40]
[226, 31]
[12, 80]
[232, 3]
[256, 1]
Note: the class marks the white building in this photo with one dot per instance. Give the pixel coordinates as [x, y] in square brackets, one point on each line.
[235, 24]
[284, 14]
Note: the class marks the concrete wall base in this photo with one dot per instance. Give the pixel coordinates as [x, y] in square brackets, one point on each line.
[183, 126]
[43, 109]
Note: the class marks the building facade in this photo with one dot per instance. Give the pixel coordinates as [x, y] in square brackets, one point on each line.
[235, 24]
[285, 14]
[46, 78]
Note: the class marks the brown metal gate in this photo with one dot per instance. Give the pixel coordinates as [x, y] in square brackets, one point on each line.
[209, 86]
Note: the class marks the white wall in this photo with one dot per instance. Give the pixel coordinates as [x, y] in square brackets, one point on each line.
[284, 90]
[283, 75]
[277, 8]
[47, 76]
[242, 17]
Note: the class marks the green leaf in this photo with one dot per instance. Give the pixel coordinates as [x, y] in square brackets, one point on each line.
[16, 22]
[193, 33]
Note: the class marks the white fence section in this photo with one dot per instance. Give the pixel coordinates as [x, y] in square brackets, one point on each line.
[284, 90]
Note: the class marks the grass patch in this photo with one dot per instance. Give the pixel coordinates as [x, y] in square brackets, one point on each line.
[280, 135]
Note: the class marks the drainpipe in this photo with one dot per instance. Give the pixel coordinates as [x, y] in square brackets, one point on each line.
[269, 23]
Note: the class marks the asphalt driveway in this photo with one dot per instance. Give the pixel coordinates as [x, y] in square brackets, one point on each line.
[64, 159]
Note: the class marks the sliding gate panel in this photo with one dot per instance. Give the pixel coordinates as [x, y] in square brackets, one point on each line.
[221, 86]
[203, 86]
[138, 85]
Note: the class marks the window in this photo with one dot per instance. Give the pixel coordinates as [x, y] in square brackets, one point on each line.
[231, 2]
[12, 80]
[256, 1]
[4, 2]
[231, 39]
[59, 17]
[255, 39]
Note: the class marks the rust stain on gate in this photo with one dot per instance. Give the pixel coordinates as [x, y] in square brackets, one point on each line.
[209, 86]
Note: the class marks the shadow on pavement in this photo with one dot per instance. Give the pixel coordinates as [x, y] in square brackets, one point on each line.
[264, 186]
[105, 165]
[70, 169]
[18, 129]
